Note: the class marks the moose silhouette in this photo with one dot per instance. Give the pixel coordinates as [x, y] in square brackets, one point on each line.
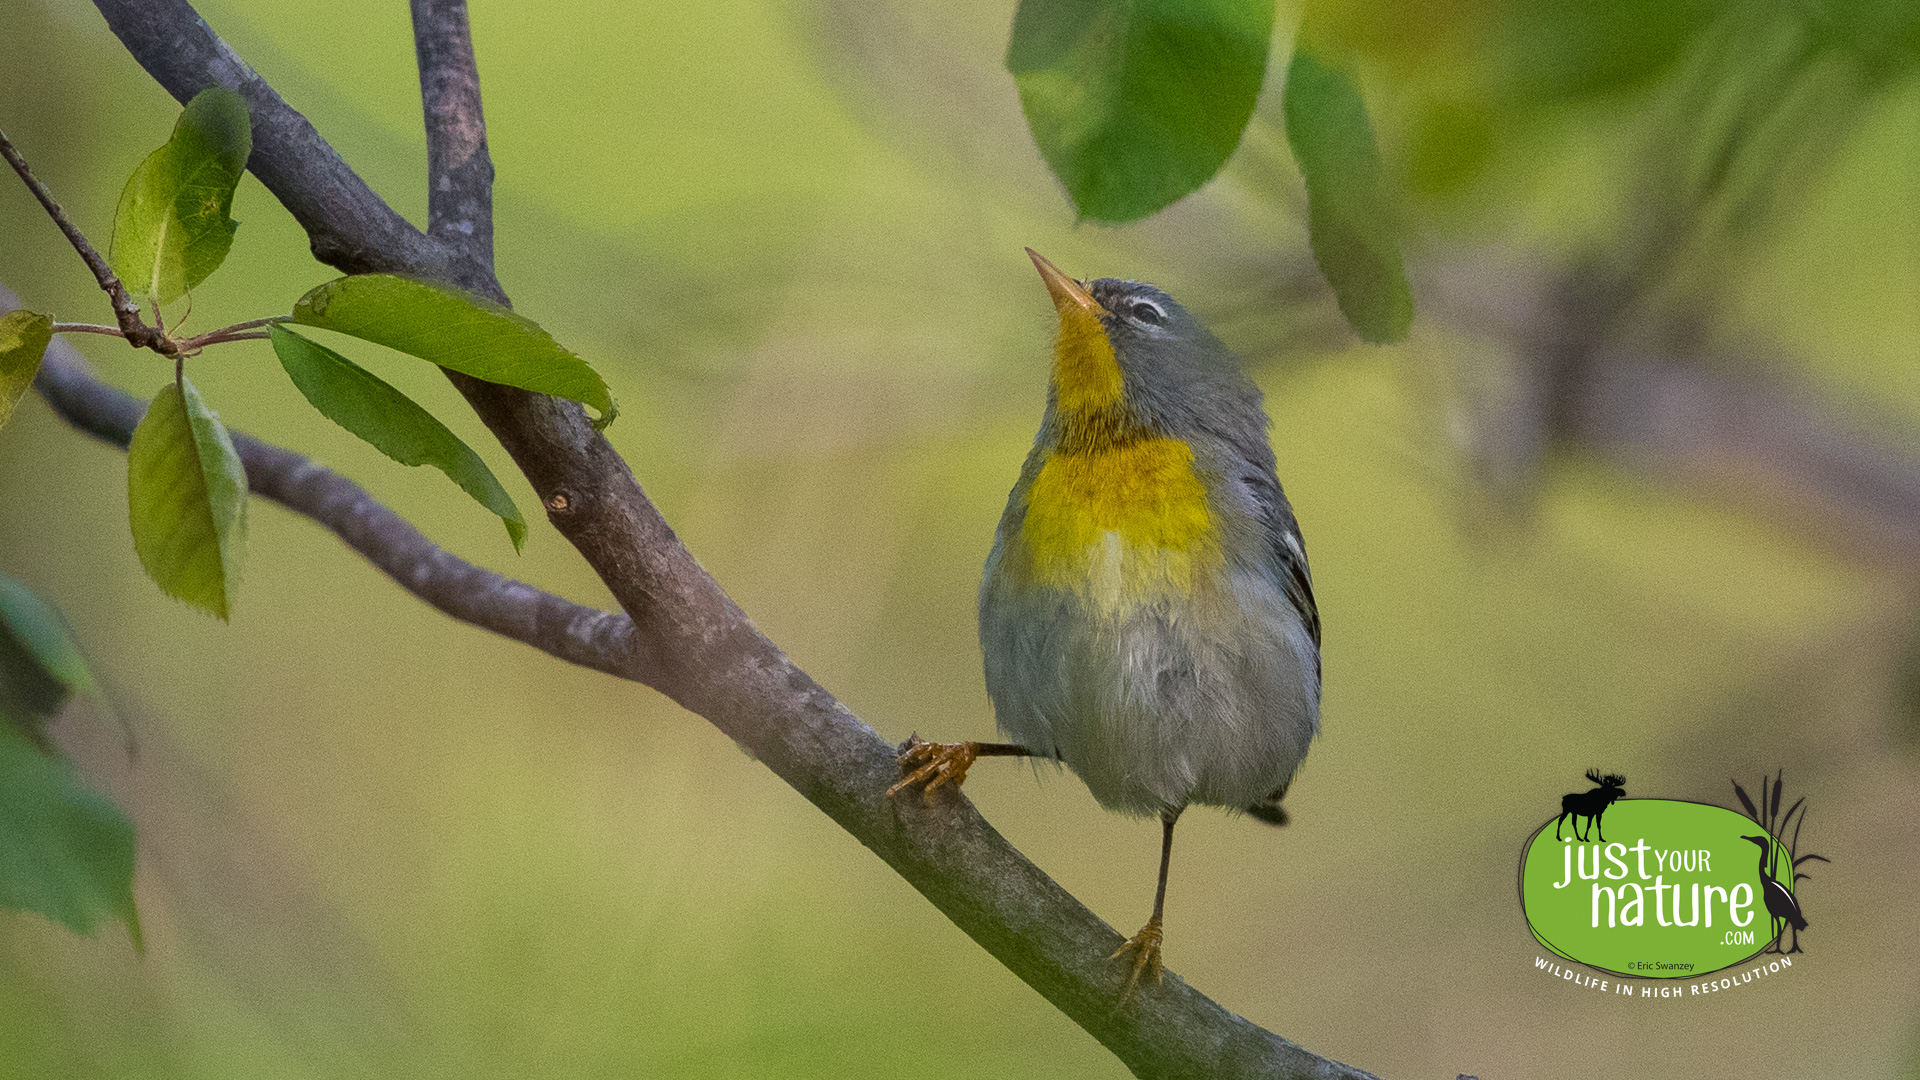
[1590, 804]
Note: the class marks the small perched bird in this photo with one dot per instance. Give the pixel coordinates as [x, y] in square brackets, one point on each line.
[1146, 616]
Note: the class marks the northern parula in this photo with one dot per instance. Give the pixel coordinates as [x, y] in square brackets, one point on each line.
[1146, 615]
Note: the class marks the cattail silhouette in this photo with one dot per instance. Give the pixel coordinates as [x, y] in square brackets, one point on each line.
[1782, 903]
[1590, 804]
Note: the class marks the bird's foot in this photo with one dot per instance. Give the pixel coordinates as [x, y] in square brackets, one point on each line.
[933, 764]
[1145, 947]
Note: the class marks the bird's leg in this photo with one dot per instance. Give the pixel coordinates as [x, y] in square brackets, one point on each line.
[934, 764]
[1145, 945]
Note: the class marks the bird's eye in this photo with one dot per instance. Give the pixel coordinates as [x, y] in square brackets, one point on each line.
[1147, 313]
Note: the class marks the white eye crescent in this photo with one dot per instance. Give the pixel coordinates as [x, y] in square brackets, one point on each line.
[1148, 312]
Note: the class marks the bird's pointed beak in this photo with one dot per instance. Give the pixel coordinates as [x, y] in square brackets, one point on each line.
[1069, 296]
[1086, 374]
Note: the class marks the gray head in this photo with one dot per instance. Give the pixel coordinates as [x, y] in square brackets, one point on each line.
[1130, 358]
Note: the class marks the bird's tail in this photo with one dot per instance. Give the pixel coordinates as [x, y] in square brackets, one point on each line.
[1269, 809]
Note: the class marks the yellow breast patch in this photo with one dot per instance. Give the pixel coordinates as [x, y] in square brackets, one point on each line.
[1122, 525]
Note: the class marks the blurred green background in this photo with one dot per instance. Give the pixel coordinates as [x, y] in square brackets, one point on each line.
[374, 842]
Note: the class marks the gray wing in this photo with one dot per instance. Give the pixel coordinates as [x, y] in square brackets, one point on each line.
[1284, 543]
[1291, 550]
[1240, 426]
[1290, 555]
[1250, 465]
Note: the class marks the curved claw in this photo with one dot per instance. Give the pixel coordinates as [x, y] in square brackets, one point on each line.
[1145, 946]
[933, 764]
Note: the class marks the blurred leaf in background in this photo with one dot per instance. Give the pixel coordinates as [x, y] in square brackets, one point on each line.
[1136, 103]
[41, 666]
[1353, 222]
[65, 851]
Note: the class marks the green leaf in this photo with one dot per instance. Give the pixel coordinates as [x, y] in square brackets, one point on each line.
[456, 331]
[187, 493]
[65, 852]
[1351, 217]
[23, 341]
[40, 663]
[359, 401]
[175, 225]
[1136, 103]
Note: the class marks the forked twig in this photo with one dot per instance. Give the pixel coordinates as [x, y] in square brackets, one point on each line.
[125, 311]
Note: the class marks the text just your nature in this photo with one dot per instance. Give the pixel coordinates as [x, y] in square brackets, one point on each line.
[1626, 904]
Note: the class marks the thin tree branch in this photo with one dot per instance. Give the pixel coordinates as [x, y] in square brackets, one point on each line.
[459, 170]
[250, 324]
[692, 643]
[514, 609]
[218, 337]
[88, 328]
[222, 337]
[244, 331]
[125, 311]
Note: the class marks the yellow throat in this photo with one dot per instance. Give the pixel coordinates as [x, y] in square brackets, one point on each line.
[1113, 515]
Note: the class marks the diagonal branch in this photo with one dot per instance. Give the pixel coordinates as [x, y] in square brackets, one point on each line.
[691, 642]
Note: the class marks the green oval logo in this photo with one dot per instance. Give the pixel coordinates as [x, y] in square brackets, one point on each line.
[1654, 888]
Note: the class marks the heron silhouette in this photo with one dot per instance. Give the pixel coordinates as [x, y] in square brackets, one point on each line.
[1781, 905]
